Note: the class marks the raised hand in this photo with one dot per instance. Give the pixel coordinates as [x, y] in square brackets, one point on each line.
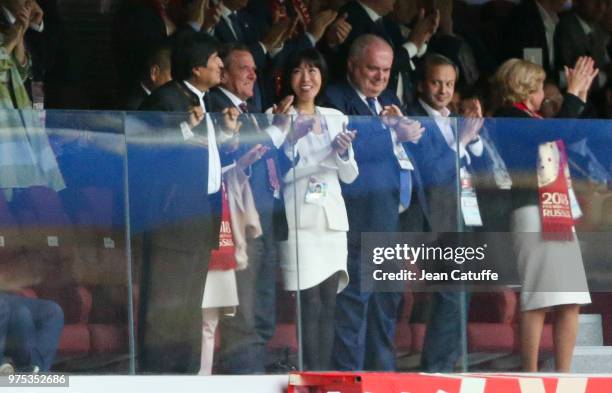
[212, 16]
[36, 13]
[580, 78]
[320, 22]
[391, 115]
[195, 12]
[343, 140]
[231, 124]
[252, 156]
[284, 106]
[473, 122]
[196, 115]
[278, 33]
[408, 130]
[338, 31]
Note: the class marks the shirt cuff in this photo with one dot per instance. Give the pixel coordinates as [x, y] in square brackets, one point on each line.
[311, 39]
[39, 28]
[476, 148]
[411, 48]
[422, 50]
[195, 26]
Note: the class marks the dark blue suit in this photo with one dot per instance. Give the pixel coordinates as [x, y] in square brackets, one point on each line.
[365, 321]
[438, 161]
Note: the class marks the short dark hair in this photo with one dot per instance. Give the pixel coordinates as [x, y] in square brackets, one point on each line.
[433, 60]
[226, 50]
[191, 50]
[311, 57]
[158, 54]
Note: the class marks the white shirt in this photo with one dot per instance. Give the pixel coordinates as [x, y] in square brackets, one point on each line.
[443, 121]
[146, 90]
[550, 21]
[11, 19]
[214, 161]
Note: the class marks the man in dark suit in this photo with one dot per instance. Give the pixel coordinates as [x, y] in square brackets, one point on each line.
[529, 33]
[367, 17]
[578, 34]
[244, 337]
[438, 154]
[156, 73]
[183, 205]
[365, 320]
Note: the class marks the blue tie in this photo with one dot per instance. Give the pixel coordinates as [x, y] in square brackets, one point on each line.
[405, 187]
[372, 105]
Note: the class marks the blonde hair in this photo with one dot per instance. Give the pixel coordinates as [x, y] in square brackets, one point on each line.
[515, 80]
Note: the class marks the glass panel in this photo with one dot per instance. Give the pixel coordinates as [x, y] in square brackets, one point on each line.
[249, 325]
[63, 244]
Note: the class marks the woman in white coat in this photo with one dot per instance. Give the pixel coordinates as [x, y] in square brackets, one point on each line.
[316, 250]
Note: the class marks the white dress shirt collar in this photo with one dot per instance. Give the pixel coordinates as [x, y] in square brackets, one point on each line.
[444, 112]
[585, 26]
[233, 97]
[200, 94]
[371, 13]
[146, 89]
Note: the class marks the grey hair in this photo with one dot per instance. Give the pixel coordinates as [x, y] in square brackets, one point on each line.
[362, 42]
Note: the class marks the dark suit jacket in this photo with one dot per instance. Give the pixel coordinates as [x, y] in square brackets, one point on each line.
[173, 179]
[271, 210]
[388, 30]
[134, 99]
[438, 163]
[373, 198]
[571, 42]
[525, 29]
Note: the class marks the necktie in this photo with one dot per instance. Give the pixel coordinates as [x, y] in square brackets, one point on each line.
[405, 187]
[273, 177]
[238, 33]
[243, 107]
[372, 105]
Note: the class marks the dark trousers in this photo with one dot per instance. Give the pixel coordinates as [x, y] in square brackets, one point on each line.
[170, 320]
[317, 309]
[244, 336]
[365, 324]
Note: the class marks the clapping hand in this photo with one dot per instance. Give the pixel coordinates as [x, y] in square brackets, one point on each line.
[408, 130]
[231, 124]
[282, 109]
[343, 140]
[212, 16]
[338, 32]
[252, 156]
[473, 122]
[196, 115]
[580, 78]
[320, 22]
[391, 115]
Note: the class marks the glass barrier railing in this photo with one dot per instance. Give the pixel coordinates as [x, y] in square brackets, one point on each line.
[270, 243]
[64, 264]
